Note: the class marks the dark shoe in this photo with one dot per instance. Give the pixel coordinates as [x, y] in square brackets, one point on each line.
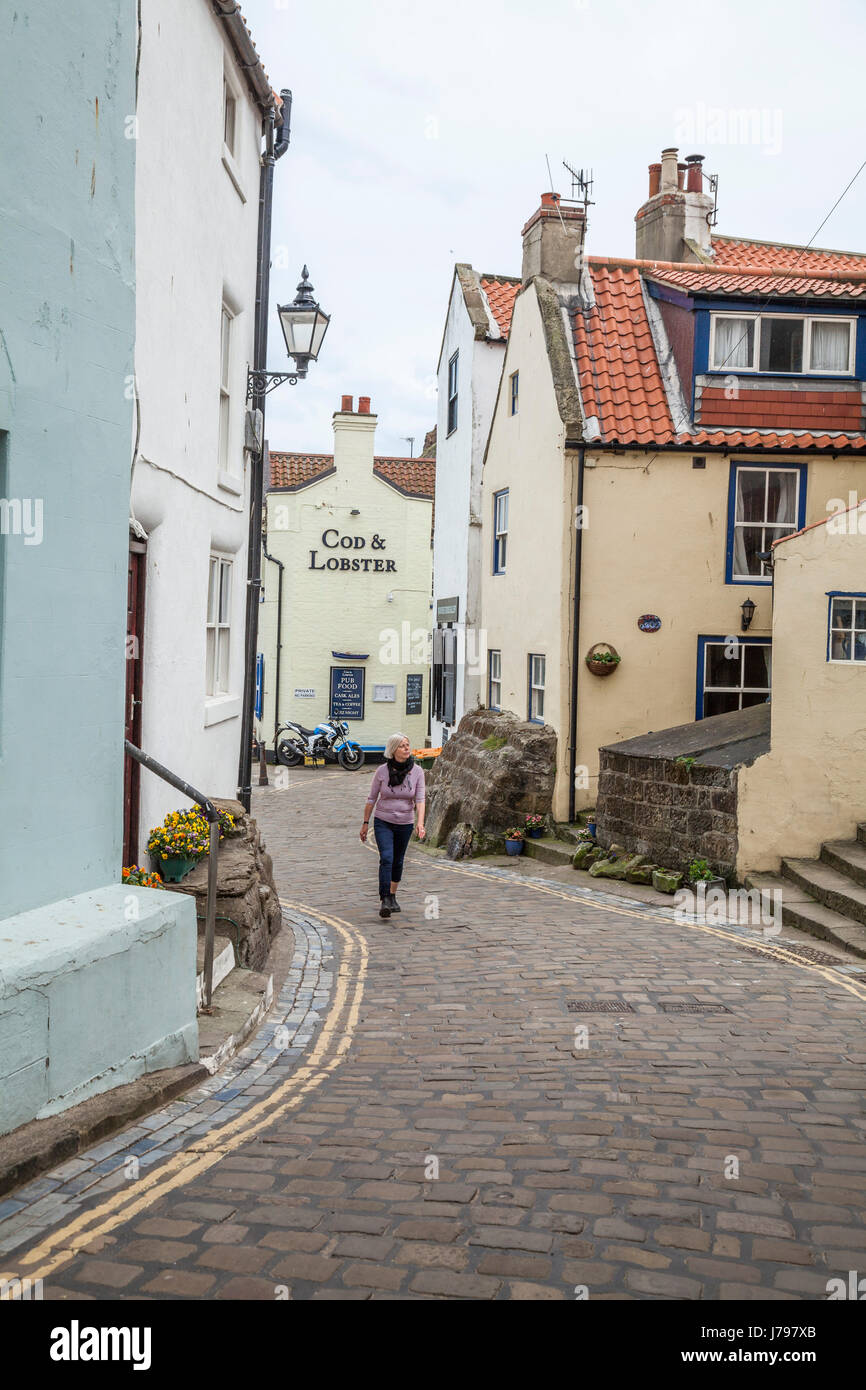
[385, 907]
[395, 906]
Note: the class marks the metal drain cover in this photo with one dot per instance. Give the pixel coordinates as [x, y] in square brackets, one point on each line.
[693, 1009]
[598, 1006]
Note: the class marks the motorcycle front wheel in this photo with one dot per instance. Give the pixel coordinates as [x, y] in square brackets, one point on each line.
[287, 754]
[351, 758]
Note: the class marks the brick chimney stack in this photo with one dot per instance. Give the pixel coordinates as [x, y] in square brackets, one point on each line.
[553, 241]
[676, 212]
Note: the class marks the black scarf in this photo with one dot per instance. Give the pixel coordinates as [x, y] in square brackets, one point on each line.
[397, 771]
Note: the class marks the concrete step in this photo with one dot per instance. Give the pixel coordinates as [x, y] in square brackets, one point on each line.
[549, 850]
[827, 886]
[800, 910]
[223, 965]
[861, 832]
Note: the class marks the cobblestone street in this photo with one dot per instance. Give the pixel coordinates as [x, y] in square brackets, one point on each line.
[513, 1090]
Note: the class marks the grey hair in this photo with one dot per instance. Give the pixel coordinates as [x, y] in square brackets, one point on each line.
[393, 741]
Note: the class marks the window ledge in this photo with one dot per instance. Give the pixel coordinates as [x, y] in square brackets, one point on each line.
[230, 483]
[220, 707]
[233, 172]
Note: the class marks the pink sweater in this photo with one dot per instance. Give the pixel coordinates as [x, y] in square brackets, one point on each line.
[396, 804]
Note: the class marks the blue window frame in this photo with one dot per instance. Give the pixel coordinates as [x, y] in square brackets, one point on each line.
[515, 388]
[494, 679]
[765, 502]
[846, 628]
[732, 673]
[535, 683]
[500, 530]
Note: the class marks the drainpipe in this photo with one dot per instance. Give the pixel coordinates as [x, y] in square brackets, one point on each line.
[276, 144]
[575, 642]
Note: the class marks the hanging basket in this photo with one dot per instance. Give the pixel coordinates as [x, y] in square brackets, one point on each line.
[597, 662]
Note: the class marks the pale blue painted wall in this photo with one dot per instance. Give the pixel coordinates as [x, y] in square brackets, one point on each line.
[67, 320]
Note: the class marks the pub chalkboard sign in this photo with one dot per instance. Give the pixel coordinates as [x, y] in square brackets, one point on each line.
[414, 693]
[347, 692]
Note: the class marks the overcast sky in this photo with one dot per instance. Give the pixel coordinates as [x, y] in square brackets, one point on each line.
[419, 135]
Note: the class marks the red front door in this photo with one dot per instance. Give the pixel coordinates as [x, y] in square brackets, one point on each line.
[132, 728]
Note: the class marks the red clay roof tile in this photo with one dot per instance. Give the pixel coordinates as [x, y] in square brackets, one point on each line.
[415, 477]
[618, 370]
[501, 291]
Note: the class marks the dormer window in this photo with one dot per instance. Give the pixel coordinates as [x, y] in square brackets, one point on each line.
[785, 344]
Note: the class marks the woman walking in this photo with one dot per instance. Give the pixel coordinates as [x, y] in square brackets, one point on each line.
[396, 790]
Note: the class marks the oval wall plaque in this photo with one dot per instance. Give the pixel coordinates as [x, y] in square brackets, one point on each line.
[649, 622]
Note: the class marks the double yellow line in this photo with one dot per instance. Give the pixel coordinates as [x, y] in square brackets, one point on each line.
[773, 950]
[332, 1045]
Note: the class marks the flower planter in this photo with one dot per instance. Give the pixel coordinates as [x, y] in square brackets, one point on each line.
[513, 846]
[597, 666]
[535, 834]
[173, 869]
[710, 884]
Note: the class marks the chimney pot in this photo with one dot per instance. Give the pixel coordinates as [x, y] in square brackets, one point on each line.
[363, 405]
[655, 178]
[694, 182]
[681, 177]
[347, 405]
[669, 180]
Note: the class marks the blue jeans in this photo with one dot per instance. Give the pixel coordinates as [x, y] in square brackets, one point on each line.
[391, 841]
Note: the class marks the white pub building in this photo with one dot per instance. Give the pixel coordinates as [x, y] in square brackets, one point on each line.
[347, 571]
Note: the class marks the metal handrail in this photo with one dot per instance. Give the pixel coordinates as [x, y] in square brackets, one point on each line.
[213, 846]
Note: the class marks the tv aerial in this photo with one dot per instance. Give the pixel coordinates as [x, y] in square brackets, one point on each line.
[581, 185]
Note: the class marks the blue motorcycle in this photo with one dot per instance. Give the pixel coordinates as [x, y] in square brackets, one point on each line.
[330, 739]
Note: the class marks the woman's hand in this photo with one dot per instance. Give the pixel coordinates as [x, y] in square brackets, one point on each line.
[420, 831]
[364, 829]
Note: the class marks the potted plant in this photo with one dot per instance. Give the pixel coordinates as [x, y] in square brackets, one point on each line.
[178, 844]
[602, 659]
[226, 822]
[140, 878]
[699, 871]
[534, 827]
[514, 840]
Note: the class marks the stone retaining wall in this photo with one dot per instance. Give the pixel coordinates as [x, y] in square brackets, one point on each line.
[661, 808]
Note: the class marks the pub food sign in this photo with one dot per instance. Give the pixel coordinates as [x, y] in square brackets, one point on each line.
[347, 692]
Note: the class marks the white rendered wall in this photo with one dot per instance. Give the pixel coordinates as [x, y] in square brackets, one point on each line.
[196, 245]
[459, 458]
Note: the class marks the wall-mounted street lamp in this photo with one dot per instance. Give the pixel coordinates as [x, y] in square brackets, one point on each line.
[304, 324]
[747, 608]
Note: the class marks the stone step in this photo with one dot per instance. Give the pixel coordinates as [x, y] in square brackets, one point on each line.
[848, 857]
[570, 831]
[861, 832]
[223, 965]
[549, 850]
[827, 886]
[800, 910]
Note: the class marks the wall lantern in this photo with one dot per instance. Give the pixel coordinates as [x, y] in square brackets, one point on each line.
[304, 324]
[748, 611]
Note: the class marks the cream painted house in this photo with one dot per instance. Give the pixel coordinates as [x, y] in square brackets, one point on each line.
[660, 422]
[811, 786]
[348, 566]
